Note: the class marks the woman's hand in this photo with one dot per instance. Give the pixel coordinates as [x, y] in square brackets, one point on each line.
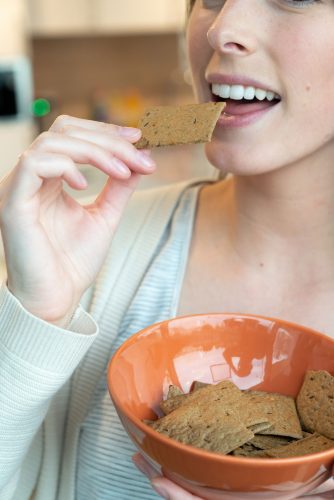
[171, 491]
[54, 247]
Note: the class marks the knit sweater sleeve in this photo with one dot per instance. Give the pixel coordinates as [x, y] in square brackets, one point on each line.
[36, 359]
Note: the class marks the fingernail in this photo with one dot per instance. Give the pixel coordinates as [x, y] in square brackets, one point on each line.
[146, 160]
[121, 167]
[129, 131]
[161, 491]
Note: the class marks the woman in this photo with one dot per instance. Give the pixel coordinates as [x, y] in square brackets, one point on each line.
[264, 238]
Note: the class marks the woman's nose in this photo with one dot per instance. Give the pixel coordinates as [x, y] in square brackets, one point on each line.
[234, 29]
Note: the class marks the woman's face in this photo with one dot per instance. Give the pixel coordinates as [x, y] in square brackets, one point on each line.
[284, 51]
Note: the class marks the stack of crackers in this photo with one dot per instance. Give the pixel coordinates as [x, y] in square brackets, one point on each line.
[223, 419]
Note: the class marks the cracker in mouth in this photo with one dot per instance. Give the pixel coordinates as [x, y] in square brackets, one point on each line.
[174, 125]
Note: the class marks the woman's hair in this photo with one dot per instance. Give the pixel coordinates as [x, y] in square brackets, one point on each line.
[190, 5]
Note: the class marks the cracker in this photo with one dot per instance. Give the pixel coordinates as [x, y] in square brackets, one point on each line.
[225, 393]
[253, 414]
[204, 426]
[258, 428]
[247, 450]
[174, 399]
[173, 391]
[206, 419]
[172, 125]
[305, 446]
[148, 422]
[315, 403]
[225, 390]
[258, 454]
[171, 404]
[280, 410]
[266, 442]
[306, 434]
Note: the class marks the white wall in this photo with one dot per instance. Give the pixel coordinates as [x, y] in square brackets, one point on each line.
[13, 28]
[15, 135]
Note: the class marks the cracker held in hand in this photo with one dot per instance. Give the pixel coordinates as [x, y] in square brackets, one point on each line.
[172, 125]
[315, 403]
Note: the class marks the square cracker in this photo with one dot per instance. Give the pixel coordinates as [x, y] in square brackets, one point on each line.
[258, 428]
[206, 419]
[315, 403]
[305, 446]
[172, 125]
[227, 395]
[246, 450]
[171, 404]
[176, 397]
[205, 426]
[280, 410]
[225, 391]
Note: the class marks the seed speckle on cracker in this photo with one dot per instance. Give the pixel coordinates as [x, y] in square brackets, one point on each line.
[173, 125]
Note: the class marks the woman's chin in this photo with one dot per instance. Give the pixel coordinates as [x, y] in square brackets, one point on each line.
[225, 162]
[230, 160]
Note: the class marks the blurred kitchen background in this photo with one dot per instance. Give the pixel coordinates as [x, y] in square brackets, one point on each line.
[97, 59]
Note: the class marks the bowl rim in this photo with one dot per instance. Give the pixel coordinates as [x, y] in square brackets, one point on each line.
[200, 452]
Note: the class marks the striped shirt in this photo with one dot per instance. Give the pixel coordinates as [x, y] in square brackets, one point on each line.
[105, 470]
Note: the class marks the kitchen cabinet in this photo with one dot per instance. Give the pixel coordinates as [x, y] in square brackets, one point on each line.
[13, 40]
[116, 16]
[63, 17]
[82, 17]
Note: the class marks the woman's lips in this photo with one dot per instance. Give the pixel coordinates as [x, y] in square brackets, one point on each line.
[240, 114]
[237, 108]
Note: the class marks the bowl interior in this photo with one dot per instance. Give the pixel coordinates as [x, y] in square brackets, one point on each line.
[253, 352]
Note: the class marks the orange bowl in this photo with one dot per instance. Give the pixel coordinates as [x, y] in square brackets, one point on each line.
[252, 351]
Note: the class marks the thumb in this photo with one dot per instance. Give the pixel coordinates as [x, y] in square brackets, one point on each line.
[113, 198]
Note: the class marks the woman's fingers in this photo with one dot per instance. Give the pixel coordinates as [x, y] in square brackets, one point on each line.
[34, 169]
[71, 141]
[130, 133]
[113, 155]
[113, 198]
[139, 161]
[325, 490]
[114, 138]
[79, 151]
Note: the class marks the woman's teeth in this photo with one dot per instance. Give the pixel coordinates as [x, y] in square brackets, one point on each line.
[239, 92]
